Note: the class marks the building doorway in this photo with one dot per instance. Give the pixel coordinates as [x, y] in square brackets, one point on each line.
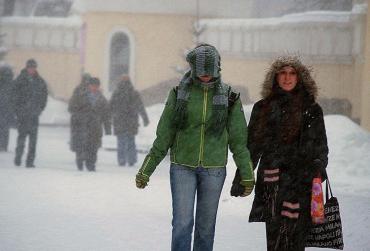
[119, 58]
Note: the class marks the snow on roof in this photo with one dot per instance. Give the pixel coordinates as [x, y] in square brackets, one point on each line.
[360, 8]
[207, 8]
[151, 6]
[305, 17]
[72, 21]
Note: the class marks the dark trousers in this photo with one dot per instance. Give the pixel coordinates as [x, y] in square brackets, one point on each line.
[88, 156]
[126, 149]
[4, 137]
[283, 234]
[31, 131]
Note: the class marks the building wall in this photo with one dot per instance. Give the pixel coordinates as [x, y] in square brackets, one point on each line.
[365, 122]
[61, 70]
[332, 43]
[334, 80]
[53, 42]
[157, 43]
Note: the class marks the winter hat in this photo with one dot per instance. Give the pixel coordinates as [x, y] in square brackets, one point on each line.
[85, 79]
[125, 83]
[94, 81]
[31, 63]
[204, 60]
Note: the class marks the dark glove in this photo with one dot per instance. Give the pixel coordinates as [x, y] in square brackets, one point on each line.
[248, 187]
[236, 189]
[141, 180]
[239, 187]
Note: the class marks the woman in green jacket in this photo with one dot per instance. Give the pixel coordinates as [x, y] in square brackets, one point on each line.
[202, 117]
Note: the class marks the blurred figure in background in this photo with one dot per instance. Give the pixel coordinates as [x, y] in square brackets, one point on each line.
[83, 84]
[89, 113]
[126, 106]
[30, 98]
[6, 107]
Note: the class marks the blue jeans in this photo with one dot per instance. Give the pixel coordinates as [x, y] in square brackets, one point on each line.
[126, 149]
[206, 184]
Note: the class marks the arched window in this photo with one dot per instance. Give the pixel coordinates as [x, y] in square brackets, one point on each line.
[119, 58]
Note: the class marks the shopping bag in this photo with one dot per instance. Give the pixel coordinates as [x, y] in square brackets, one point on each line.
[328, 234]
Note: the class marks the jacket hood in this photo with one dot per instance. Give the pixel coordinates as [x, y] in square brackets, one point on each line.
[304, 76]
[204, 60]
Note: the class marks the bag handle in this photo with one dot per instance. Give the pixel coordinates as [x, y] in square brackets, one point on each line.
[328, 188]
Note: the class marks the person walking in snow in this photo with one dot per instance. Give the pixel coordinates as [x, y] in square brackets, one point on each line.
[201, 119]
[89, 113]
[82, 87]
[287, 137]
[126, 106]
[30, 98]
[6, 106]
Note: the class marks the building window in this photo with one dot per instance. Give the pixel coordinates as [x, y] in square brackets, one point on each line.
[119, 58]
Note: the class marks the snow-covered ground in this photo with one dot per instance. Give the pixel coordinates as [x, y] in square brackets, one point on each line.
[55, 207]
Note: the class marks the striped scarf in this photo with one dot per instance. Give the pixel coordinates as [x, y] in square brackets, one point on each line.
[219, 108]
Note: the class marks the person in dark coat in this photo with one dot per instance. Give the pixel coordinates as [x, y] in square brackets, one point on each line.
[126, 106]
[6, 107]
[286, 135]
[30, 98]
[89, 113]
[83, 84]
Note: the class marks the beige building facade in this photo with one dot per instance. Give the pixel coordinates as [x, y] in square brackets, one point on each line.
[149, 43]
[365, 91]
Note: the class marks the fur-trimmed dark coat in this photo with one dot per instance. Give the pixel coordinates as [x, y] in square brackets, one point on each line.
[287, 131]
[87, 120]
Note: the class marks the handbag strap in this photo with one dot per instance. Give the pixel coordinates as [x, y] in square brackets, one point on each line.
[328, 188]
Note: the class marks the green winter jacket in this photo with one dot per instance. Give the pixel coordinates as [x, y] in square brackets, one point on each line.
[193, 146]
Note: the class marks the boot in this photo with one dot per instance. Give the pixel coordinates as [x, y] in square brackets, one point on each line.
[17, 161]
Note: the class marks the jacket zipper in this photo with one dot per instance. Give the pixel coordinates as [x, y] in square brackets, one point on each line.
[202, 129]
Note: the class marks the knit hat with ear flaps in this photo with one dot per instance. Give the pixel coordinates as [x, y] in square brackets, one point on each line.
[204, 60]
[304, 75]
[94, 81]
[31, 63]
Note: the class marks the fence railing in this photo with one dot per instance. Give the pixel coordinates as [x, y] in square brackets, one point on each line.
[42, 33]
[323, 36]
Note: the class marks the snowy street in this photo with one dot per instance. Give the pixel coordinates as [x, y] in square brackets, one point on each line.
[55, 207]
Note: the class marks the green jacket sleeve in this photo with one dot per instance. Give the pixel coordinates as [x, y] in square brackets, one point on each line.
[165, 136]
[237, 130]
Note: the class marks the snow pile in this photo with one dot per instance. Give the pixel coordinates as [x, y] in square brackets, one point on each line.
[349, 146]
[55, 113]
